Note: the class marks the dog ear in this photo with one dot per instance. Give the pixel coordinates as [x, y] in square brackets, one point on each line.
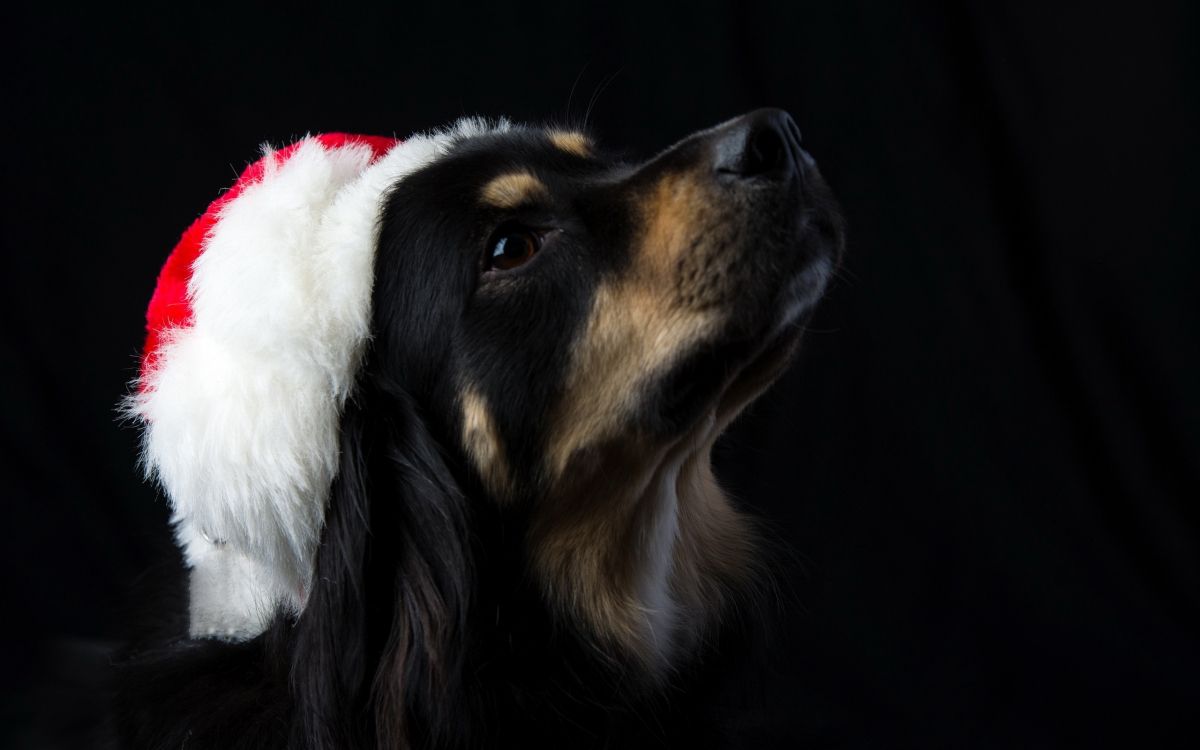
[383, 631]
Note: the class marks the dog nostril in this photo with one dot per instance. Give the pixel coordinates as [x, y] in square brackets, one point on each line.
[765, 151]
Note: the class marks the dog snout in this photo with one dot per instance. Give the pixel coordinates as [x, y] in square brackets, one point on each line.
[763, 144]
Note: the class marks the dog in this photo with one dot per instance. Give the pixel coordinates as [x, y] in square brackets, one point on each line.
[501, 526]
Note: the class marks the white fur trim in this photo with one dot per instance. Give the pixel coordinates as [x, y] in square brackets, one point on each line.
[242, 408]
[231, 594]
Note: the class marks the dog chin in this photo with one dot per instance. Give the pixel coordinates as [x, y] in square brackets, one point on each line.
[723, 378]
[803, 292]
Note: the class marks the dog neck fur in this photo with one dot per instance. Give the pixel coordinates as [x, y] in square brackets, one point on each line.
[648, 560]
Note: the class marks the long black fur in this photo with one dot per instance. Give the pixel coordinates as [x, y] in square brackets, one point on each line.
[417, 634]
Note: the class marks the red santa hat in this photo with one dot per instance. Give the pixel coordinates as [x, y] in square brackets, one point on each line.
[254, 335]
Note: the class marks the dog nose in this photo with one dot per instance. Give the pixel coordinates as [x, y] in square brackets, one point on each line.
[764, 143]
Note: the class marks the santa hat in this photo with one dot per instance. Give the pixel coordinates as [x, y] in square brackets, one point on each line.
[254, 335]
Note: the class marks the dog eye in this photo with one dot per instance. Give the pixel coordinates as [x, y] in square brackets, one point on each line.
[512, 248]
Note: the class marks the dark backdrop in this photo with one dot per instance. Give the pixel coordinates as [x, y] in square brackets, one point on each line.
[986, 459]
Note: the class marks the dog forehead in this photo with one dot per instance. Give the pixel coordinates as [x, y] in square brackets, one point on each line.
[551, 153]
[550, 139]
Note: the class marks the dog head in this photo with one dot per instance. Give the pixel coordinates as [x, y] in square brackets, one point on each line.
[581, 329]
[390, 385]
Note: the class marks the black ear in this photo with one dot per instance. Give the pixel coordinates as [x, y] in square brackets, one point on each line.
[379, 646]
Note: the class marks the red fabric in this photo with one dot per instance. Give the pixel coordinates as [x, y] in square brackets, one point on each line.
[169, 306]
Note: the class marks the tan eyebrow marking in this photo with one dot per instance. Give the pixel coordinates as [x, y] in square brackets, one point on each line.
[511, 190]
[571, 142]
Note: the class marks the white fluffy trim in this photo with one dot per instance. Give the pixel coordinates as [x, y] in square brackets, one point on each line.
[242, 408]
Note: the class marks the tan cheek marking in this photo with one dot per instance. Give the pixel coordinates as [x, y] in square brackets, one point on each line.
[633, 334]
[674, 214]
[483, 444]
[512, 190]
[571, 142]
[637, 325]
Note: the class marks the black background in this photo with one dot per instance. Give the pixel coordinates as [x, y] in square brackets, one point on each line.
[986, 460]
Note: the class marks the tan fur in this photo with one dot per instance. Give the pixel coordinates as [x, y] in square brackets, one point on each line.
[571, 142]
[632, 335]
[483, 443]
[512, 190]
[715, 550]
[593, 549]
[621, 503]
[638, 326]
[581, 547]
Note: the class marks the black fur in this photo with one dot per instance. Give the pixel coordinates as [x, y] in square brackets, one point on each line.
[406, 597]
[424, 627]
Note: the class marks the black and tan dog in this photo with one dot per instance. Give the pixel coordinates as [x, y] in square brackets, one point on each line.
[523, 541]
